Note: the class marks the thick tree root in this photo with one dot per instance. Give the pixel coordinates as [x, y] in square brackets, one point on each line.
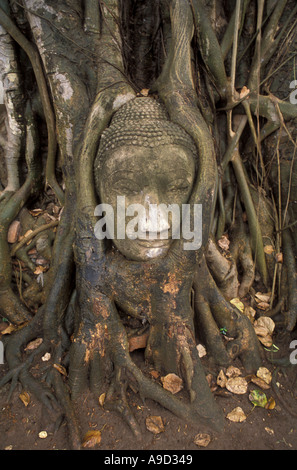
[213, 313]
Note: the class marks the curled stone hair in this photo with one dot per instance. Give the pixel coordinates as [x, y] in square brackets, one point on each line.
[142, 122]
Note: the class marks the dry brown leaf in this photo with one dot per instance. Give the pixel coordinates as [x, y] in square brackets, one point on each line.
[266, 341]
[261, 330]
[211, 382]
[14, 231]
[40, 269]
[260, 382]
[25, 398]
[237, 415]
[201, 350]
[46, 357]
[267, 323]
[36, 212]
[155, 374]
[154, 424]
[237, 385]
[10, 329]
[202, 440]
[263, 305]
[259, 297]
[264, 374]
[138, 342]
[102, 399]
[60, 369]
[222, 379]
[91, 439]
[269, 431]
[243, 92]
[33, 344]
[250, 312]
[224, 243]
[268, 249]
[172, 383]
[233, 372]
[145, 91]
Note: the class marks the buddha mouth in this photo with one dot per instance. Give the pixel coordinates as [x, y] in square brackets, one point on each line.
[153, 243]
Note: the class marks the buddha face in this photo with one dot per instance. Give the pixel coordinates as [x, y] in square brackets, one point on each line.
[150, 178]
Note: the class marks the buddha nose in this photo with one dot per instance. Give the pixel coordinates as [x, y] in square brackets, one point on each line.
[155, 217]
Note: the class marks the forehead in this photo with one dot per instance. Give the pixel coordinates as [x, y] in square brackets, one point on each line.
[136, 158]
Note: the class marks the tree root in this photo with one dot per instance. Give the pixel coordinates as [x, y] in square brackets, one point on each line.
[213, 313]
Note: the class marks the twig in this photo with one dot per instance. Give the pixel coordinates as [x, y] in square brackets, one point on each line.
[31, 235]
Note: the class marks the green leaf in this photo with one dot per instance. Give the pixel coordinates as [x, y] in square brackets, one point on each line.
[258, 398]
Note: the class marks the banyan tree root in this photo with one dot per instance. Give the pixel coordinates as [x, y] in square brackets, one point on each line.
[215, 314]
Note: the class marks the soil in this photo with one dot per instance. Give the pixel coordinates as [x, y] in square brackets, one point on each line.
[263, 429]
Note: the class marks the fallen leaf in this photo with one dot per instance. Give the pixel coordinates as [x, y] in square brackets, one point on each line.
[224, 242]
[237, 385]
[155, 374]
[91, 439]
[25, 398]
[14, 231]
[264, 374]
[172, 383]
[33, 344]
[258, 398]
[102, 399]
[201, 350]
[268, 249]
[60, 369]
[36, 212]
[259, 297]
[154, 424]
[40, 269]
[263, 305]
[222, 379]
[250, 312]
[243, 92]
[237, 415]
[233, 372]
[269, 431]
[144, 91]
[267, 323]
[8, 330]
[211, 382]
[270, 405]
[260, 382]
[202, 440]
[138, 342]
[266, 341]
[238, 304]
[46, 357]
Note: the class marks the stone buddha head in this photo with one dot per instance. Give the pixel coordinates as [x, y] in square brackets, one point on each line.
[146, 162]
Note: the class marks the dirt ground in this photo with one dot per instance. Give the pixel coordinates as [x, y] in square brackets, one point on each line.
[263, 429]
